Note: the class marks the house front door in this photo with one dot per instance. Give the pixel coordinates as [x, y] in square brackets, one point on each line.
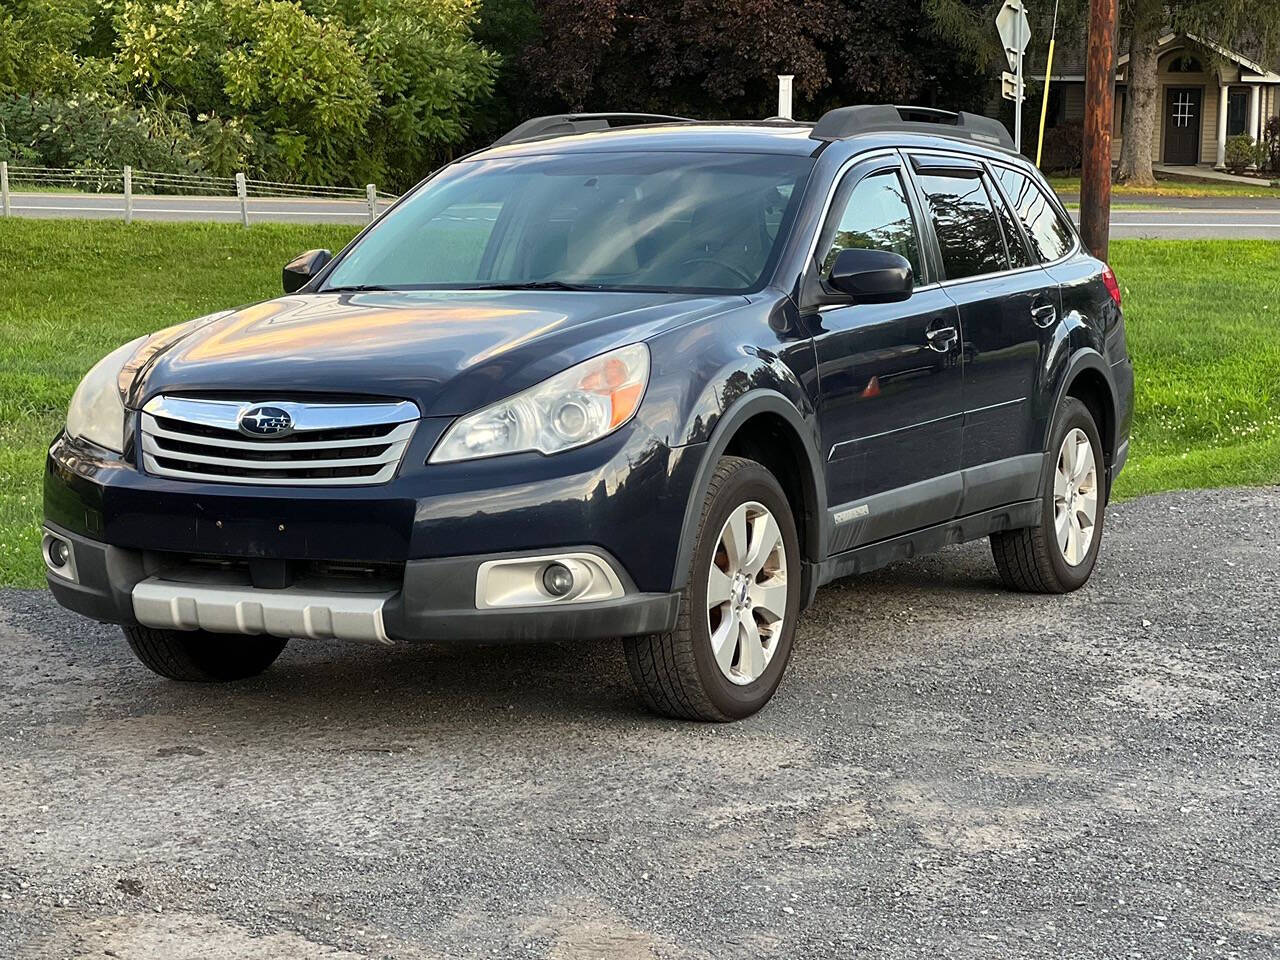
[1182, 124]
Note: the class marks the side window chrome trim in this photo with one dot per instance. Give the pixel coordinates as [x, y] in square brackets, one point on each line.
[989, 276]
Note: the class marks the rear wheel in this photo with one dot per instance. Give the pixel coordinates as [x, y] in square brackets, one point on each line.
[201, 657]
[1058, 554]
[738, 610]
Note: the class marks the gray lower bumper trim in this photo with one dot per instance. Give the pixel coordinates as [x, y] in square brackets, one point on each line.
[291, 612]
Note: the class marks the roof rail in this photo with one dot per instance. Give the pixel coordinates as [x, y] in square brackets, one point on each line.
[563, 124]
[845, 122]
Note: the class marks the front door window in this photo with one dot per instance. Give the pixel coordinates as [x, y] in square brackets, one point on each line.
[1182, 109]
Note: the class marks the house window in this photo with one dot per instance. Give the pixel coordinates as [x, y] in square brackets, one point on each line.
[1056, 112]
[1237, 112]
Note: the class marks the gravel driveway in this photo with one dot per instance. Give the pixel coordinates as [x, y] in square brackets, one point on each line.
[948, 770]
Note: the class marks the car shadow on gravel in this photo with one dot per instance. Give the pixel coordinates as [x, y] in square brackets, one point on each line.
[398, 684]
[412, 684]
[419, 684]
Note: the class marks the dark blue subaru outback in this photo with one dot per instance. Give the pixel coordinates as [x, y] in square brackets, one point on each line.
[616, 376]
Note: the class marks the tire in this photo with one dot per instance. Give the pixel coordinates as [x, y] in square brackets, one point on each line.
[1032, 559]
[200, 657]
[677, 674]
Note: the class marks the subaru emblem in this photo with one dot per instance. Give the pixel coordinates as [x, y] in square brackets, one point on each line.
[265, 422]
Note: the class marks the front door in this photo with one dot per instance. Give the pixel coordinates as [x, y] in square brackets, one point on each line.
[890, 375]
[1182, 125]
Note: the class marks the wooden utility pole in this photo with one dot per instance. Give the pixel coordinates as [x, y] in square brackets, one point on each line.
[1099, 109]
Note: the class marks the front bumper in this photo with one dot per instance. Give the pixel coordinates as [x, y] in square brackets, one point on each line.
[434, 601]
[430, 529]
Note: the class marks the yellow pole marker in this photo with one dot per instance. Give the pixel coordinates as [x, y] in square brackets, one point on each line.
[1048, 72]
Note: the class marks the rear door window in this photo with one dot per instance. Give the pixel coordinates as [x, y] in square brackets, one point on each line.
[1051, 237]
[965, 223]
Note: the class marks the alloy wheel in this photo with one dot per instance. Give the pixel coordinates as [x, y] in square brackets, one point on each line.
[1075, 497]
[747, 593]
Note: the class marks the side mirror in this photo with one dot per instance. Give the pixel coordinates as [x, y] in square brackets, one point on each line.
[302, 268]
[871, 276]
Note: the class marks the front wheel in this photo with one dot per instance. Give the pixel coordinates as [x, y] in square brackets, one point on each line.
[739, 607]
[201, 657]
[1058, 554]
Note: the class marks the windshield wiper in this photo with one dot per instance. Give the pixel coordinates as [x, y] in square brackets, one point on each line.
[357, 288]
[535, 285]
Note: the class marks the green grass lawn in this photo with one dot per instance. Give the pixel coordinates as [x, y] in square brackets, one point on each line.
[1201, 318]
[72, 289]
[1176, 188]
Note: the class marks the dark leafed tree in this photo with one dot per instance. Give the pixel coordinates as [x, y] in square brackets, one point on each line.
[1251, 24]
[712, 58]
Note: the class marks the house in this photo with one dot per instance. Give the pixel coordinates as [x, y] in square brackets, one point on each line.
[1207, 94]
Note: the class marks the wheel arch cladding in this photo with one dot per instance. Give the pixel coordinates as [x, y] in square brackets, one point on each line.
[763, 426]
[1088, 380]
[1091, 388]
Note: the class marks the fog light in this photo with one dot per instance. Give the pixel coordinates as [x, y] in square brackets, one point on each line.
[59, 557]
[553, 579]
[58, 553]
[557, 579]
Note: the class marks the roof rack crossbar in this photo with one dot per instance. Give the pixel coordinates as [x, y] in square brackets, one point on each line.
[844, 122]
[564, 124]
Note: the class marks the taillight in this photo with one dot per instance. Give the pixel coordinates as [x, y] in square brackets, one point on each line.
[1109, 279]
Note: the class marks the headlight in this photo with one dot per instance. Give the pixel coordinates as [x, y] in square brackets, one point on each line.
[96, 413]
[582, 404]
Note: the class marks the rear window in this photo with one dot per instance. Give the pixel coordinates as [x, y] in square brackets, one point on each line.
[1050, 235]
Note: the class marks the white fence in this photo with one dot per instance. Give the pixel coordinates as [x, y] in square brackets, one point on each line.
[240, 192]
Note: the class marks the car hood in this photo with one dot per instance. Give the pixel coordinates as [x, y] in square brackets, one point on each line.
[450, 352]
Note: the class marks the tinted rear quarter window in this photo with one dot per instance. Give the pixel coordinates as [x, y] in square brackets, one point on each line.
[1018, 256]
[1049, 235]
[965, 223]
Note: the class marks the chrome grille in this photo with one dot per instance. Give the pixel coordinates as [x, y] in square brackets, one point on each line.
[330, 444]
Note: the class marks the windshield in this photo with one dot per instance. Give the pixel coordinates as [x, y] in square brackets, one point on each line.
[697, 222]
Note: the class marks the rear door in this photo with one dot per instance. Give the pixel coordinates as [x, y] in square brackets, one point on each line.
[1008, 310]
[1052, 243]
[890, 410]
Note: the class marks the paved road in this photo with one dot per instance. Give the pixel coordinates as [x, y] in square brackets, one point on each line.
[1185, 203]
[1193, 217]
[98, 206]
[1169, 224]
[949, 770]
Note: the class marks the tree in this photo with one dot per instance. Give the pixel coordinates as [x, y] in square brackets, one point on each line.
[1255, 23]
[43, 46]
[323, 90]
[426, 72]
[720, 58]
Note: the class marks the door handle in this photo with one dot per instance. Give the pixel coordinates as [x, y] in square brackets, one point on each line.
[941, 338]
[1044, 315]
